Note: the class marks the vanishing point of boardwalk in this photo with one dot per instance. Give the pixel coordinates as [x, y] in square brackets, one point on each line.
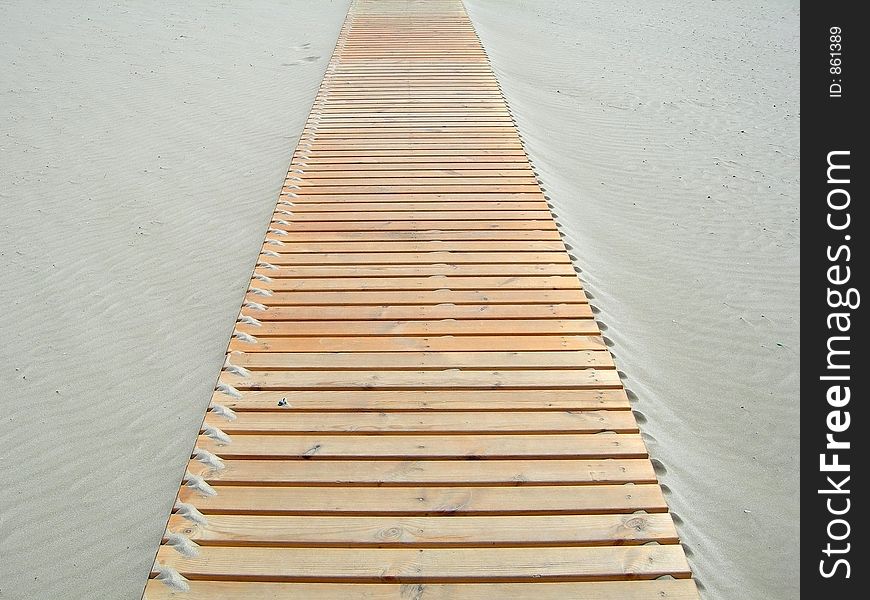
[425, 407]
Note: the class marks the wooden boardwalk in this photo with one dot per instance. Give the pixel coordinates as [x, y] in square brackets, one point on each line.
[431, 412]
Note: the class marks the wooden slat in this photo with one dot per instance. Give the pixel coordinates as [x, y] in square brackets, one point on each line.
[428, 400]
[443, 215]
[434, 234]
[394, 271]
[391, 258]
[426, 312]
[349, 206]
[429, 532]
[431, 282]
[437, 472]
[438, 379]
[407, 423]
[430, 564]
[450, 223]
[437, 296]
[429, 500]
[430, 447]
[292, 247]
[286, 329]
[444, 343]
[338, 361]
[680, 589]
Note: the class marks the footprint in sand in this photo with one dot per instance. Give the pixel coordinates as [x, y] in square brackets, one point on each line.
[307, 59]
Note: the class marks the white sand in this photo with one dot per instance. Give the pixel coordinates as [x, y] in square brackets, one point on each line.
[666, 133]
[142, 147]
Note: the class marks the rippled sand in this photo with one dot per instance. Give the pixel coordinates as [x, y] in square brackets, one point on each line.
[142, 147]
[666, 134]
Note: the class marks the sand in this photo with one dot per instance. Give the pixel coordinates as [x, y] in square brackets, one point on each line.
[141, 151]
[666, 133]
[142, 148]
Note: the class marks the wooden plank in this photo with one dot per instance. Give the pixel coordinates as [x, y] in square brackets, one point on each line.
[430, 564]
[678, 589]
[445, 343]
[317, 169]
[432, 282]
[302, 217]
[516, 327]
[485, 161]
[430, 500]
[492, 297]
[405, 423]
[428, 532]
[413, 225]
[444, 215]
[428, 400]
[416, 270]
[518, 472]
[429, 447]
[443, 188]
[341, 361]
[379, 154]
[440, 379]
[416, 312]
[508, 199]
[417, 235]
[391, 258]
[348, 206]
[401, 247]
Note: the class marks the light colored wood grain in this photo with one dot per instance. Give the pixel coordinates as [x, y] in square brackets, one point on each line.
[680, 589]
[401, 361]
[434, 379]
[425, 297]
[426, 312]
[430, 500]
[431, 282]
[416, 225]
[349, 206]
[442, 215]
[430, 564]
[430, 472]
[434, 257]
[420, 235]
[418, 270]
[429, 400]
[444, 343]
[408, 423]
[429, 447]
[514, 327]
[429, 532]
[402, 247]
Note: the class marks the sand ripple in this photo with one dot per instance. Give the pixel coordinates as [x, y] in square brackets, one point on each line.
[143, 146]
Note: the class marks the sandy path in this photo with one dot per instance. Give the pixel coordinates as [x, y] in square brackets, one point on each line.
[666, 134]
[142, 147]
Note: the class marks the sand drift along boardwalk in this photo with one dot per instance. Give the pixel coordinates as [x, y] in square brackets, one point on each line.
[419, 403]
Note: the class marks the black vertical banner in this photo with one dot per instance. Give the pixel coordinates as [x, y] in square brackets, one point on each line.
[834, 222]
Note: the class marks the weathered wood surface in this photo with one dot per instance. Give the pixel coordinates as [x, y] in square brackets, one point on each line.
[430, 410]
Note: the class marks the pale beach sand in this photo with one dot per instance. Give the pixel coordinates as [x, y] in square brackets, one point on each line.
[142, 148]
[666, 133]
